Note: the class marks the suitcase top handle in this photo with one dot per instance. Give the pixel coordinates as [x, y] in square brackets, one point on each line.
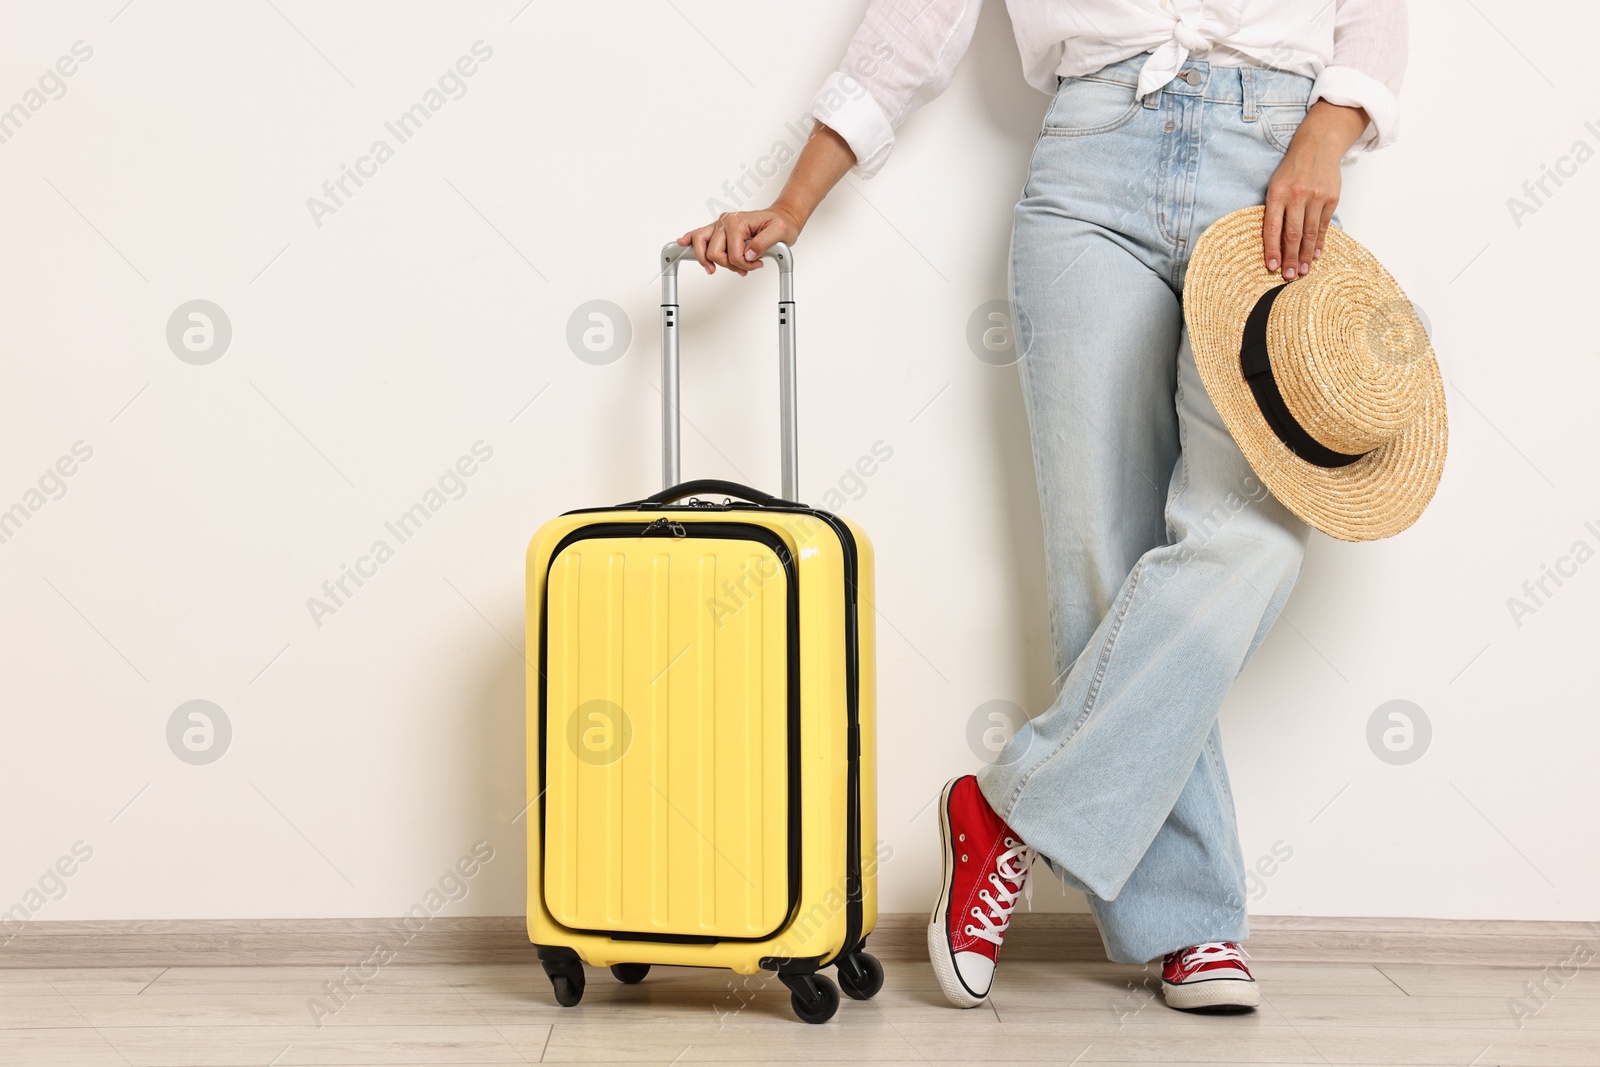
[674, 493]
[671, 441]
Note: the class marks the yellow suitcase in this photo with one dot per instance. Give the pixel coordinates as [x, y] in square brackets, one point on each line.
[701, 748]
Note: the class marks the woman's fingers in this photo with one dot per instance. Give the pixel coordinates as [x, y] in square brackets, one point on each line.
[769, 233]
[734, 227]
[1307, 251]
[1272, 233]
[750, 229]
[1283, 229]
[702, 249]
[698, 239]
[717, 247]
[1304, 190]
[738, 241]
[741, 228]
[1328, 208]
[732, 245]
[1294, 226]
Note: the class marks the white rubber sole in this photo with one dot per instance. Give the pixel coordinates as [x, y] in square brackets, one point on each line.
[1212, 993]
[944, 968]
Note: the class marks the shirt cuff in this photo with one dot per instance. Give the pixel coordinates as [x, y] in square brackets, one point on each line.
[844, 106]
[1351, 88]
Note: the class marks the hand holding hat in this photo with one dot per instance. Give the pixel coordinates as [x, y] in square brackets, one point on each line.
[1328, 384]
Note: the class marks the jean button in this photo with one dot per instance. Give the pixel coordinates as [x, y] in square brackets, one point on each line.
[1192, 76]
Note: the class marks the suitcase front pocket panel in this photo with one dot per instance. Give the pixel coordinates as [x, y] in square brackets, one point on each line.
[668, 666]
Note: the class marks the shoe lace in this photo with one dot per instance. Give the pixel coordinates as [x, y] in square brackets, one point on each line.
[1008, 879]
[1212, 952]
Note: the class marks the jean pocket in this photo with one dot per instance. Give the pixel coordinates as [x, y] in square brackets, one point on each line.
[1279, 122]
[1086, 106]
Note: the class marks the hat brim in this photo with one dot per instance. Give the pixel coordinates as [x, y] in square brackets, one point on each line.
[1379, 494]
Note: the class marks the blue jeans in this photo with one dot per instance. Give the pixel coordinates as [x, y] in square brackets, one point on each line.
[1167, 560]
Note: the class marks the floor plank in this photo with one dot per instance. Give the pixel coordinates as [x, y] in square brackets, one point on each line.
[78, 1047]
[1557, 978]
[301, 1046]
[38, 1011]
[1040, 1011]
[1103, 1041]
[752, 1037]
[304, 981]
[1434, 1046]
[1346, 979]
[53, 981]
[201, 1010]
[1454, 1012]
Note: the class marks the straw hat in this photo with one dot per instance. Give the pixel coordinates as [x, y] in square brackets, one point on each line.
[1342, 416]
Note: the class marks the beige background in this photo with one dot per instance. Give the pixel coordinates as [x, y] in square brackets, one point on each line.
[430, 312]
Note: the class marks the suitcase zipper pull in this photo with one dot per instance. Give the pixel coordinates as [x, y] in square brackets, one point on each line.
[665, 525]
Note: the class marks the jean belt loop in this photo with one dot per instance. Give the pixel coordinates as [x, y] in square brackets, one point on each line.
[1152, 100]
[1247, 87]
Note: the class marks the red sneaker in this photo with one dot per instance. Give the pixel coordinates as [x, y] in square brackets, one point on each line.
[985, 870]
[1212, 975]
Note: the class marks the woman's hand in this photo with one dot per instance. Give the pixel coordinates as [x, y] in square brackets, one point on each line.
[738, 239]
[1304, 190]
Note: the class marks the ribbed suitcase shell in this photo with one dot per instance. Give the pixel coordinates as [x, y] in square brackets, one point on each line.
[685, 807]
[669, 819]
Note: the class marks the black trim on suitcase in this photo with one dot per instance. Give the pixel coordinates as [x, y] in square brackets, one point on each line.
[725, 531]
[854, 885]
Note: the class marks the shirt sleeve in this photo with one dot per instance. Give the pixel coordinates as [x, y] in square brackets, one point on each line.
[904, 55]
[1369, 62]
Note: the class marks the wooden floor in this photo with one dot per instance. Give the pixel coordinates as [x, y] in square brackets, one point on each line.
[1039, 1012]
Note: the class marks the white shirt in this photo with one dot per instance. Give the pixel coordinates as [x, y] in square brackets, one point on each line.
[906, 52]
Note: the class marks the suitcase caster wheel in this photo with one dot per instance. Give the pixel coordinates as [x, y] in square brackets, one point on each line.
[814, 998]
[566, 976]
[860, 976]
[568, 992]
[629, 973]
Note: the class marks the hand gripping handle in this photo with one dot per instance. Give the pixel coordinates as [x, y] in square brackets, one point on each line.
[671, 439]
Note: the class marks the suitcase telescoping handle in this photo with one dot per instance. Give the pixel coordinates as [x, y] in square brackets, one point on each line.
[671, 441]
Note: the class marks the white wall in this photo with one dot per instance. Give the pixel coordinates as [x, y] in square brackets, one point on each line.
[370, 352]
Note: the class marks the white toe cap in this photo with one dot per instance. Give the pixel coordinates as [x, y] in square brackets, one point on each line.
[976, 971]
